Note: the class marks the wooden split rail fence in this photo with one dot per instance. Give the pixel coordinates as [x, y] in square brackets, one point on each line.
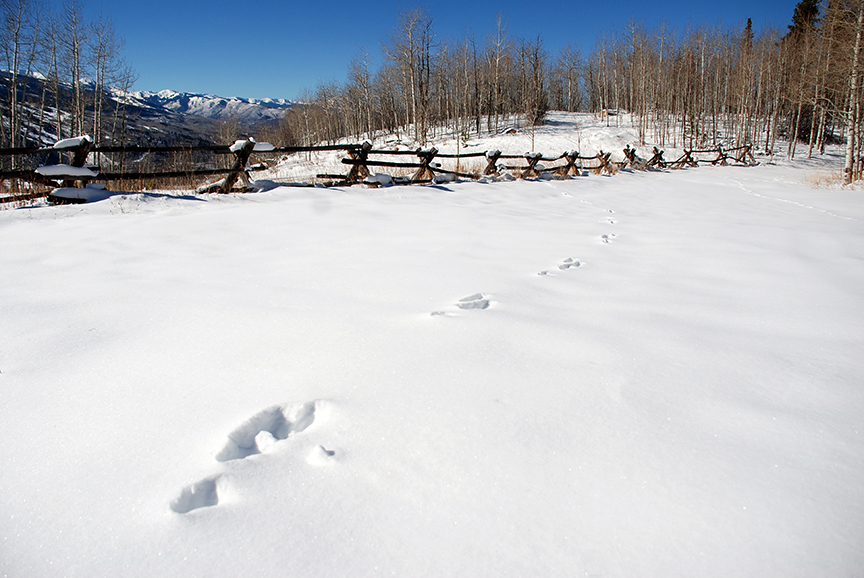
[77, 173]
[426, 169]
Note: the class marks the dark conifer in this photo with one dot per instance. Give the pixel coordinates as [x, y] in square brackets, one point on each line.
[804, 19]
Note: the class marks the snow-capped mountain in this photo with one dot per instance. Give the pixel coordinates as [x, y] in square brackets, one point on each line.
[247, 110]
[151, 118]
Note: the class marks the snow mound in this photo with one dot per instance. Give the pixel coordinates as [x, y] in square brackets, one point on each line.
[378, 179]
[72, 143]
[92, 193]
[66, 171]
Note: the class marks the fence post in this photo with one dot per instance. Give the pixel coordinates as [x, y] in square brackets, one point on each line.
[242, 150]
[686, 159]
[531, 171]
[571, 157]
[603, 159]
[657, 159]
[425, 158]
[492, 166]
[359, 170]
[746, 151]
[81, 149]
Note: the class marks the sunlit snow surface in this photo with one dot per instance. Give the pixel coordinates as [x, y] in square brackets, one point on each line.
[651, 374]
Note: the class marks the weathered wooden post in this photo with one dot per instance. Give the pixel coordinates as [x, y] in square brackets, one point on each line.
[531, 171]
[657, 159]
[424, 170]
[686, 159]
[629, 155]
[81, 151]
[492, 166]
[746, 151]
[572, 159]
[359, 170]
[242, 150]
[81, 147]
[605, 164]
[632, 159]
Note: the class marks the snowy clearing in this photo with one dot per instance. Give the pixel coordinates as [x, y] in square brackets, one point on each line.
[640, 375]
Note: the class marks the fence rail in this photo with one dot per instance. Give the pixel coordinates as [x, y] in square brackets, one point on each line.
[78, 174]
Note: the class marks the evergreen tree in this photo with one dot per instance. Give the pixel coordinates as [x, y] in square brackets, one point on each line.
[804, 19]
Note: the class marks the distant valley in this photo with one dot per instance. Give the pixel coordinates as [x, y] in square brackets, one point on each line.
[159, 118]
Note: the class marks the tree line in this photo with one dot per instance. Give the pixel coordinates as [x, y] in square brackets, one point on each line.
[701, 87]
[76, 62]
[425, 85]
[710, 87]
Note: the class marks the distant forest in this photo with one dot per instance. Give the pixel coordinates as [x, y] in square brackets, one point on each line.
[696, 88]
[700, 87]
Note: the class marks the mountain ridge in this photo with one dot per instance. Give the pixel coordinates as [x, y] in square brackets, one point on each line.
[166, 117]
[215, 106]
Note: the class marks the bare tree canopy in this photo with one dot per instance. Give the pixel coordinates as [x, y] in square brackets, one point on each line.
[75, 62]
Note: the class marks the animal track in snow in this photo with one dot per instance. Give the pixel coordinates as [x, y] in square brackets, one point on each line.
[569, 263]
[279, 422]
[607, 238]
[321, 456]
[256, 434]
[198, 495]
[476, 301]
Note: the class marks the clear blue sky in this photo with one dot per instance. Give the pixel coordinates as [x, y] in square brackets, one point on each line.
[275, 49]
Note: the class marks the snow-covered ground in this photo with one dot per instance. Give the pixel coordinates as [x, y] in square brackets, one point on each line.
[648, 374]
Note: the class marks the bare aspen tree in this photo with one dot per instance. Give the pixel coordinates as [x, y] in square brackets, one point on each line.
[73, 38]
[498, 47]
[852, 116]
[127, 78]
[52, 61]
[106, 66]
[743, 83]
[570, 63]
[532, 80]
[410, 50]
[359, 81]
[20, 34]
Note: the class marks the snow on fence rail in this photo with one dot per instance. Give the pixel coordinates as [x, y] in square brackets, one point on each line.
[76, 174]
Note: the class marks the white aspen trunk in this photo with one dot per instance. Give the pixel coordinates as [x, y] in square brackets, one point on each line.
[852, 116]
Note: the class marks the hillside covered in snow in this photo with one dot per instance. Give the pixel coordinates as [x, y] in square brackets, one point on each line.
[646, 374]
